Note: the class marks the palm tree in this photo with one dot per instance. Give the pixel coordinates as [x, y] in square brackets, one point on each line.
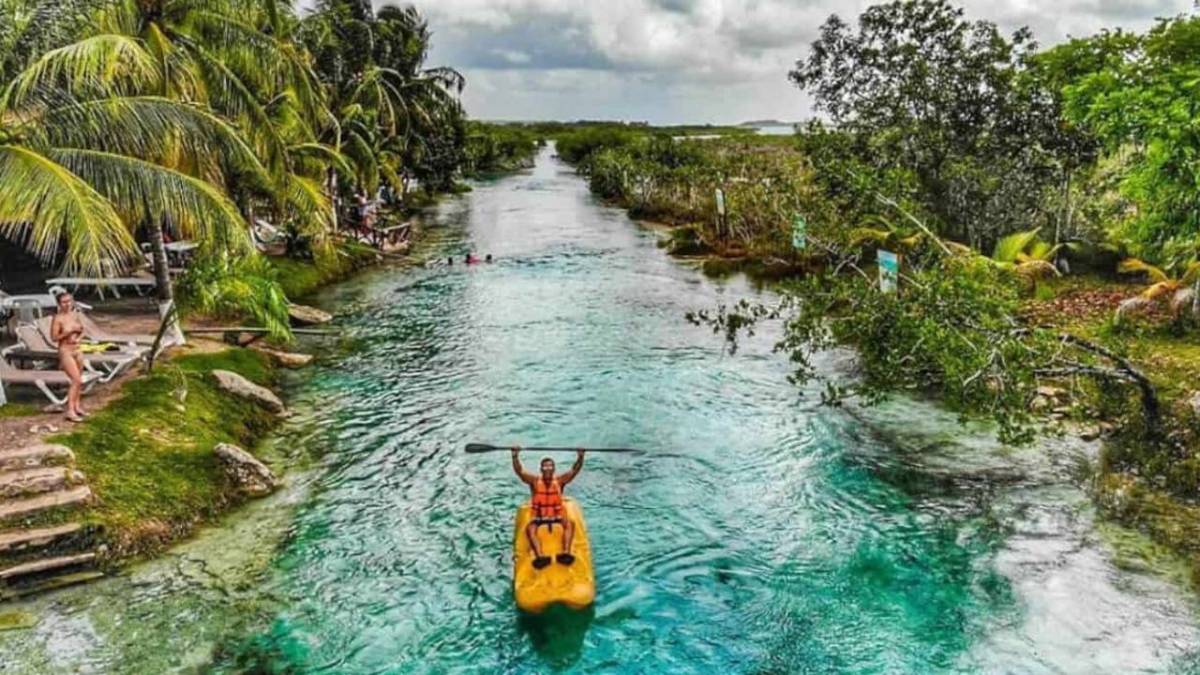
[85, 172]
[390, 108]
[1027, 254]
[91, 147]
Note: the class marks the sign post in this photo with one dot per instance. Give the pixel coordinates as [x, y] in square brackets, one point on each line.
[889, 270]
[721, 213]
[799, 232]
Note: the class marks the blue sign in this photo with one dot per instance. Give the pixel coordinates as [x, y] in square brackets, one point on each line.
[889, 270]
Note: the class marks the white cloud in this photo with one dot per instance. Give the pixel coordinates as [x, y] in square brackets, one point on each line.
[684, 60]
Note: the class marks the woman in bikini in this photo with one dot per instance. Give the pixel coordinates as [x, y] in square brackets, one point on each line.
[66, 330]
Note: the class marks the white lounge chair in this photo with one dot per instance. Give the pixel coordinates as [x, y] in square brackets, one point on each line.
[38, 345]
[42, 379]
[113, 284]
[266, 235]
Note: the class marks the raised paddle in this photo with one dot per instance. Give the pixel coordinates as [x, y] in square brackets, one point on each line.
[475, 448]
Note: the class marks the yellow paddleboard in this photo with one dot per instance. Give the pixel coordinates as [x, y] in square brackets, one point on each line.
[572, 585]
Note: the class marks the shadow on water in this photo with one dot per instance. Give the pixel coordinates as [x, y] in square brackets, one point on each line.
[557, 634]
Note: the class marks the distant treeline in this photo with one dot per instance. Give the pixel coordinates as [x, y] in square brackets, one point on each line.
[559, 129]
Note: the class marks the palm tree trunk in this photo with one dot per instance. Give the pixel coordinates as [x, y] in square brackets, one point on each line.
[333, 199]
[162, 280]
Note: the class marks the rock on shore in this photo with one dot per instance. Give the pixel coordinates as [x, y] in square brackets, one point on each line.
[241, 387]
[245, 470]
[308, 316]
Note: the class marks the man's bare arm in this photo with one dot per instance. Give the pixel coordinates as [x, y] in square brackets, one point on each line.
[574, 470]
[520, 470]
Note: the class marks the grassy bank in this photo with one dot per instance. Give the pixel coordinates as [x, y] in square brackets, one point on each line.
[301, 278]
[148, 457]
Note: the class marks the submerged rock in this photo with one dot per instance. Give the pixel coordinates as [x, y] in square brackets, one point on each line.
[307, 316]
[241, 387]
[17, 620]
[245, 470]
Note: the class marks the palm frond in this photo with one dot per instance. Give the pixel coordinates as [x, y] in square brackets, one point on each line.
[155, 129]
[311, 209]
[44, 204]
[228, 94]
[1008, 248]
[324, 153]
[98, 65]
[232, 287]
[1135, 266]
[140, 191]
[1160, 289]
[362, 156]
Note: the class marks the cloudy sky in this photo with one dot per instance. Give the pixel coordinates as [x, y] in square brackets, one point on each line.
[670, 61]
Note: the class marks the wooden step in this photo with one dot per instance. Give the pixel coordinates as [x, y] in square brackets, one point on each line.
[43, 502]
[27, 482]
[20, 540]
[44, 454]
[50, 584]
[45, 565]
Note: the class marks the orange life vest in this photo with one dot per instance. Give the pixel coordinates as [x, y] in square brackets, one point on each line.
[547, 500]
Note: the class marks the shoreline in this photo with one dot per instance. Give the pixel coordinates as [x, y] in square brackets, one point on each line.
[1120, 498]
[145, 457]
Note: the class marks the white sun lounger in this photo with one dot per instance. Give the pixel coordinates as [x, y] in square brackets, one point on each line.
[37, 345]
[42, 379]
[114, 284]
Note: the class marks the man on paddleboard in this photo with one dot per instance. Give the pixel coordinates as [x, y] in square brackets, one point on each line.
[547, 505]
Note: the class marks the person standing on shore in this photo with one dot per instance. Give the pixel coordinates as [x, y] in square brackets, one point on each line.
[66, 330]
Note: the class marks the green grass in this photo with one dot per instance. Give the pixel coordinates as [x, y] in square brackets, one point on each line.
[19, 409]
[150, 462]
[301, 278]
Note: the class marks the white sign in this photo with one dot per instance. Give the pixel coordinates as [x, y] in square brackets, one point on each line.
[889, 270]
[720, 201]
[799, 231]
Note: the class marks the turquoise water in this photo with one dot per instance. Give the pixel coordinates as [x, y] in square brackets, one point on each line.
[760, 534]
[745, 540]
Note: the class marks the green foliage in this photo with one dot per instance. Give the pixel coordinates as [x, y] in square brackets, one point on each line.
[944, 115]
[301, 278]
[580, 145]
[220, 286]
[498, 147]
[950, 331]
[1144, 105]
[674, 181]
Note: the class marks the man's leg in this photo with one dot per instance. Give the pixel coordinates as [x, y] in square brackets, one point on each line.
[539, 558]
[566, 557]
